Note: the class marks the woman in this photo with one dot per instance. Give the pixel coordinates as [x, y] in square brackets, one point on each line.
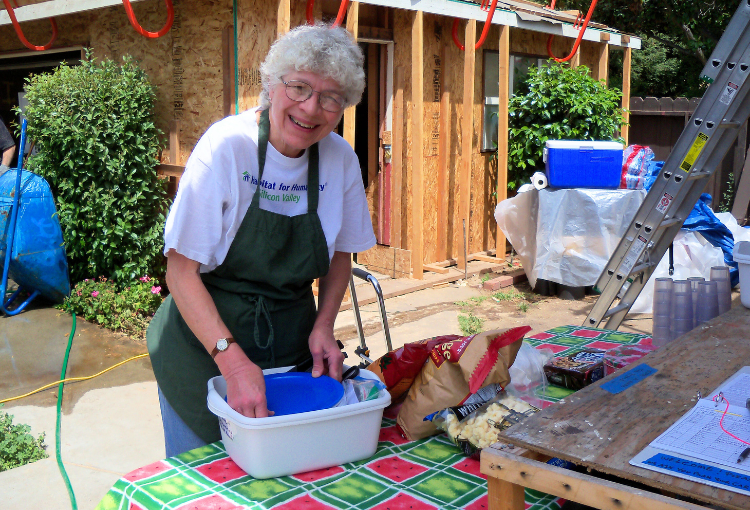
[270, 200]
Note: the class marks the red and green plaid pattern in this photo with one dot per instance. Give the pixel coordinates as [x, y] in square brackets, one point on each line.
[419, 475]
[427, 474]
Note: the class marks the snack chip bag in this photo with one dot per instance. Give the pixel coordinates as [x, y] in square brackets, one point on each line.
[453, 372]
[398, 368]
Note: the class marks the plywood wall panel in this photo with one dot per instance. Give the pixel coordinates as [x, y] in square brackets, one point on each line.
[256, 31]
[535, 43]
[184, 65]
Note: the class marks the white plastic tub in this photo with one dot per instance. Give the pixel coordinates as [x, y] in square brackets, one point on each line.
[286, 445]
[741, 255]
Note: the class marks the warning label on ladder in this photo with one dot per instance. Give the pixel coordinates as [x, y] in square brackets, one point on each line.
[728, 94]
[633, 254]
[694, 152]
[663, 204]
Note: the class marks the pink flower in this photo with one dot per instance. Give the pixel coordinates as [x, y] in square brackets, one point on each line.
[144, 278]
[155, 290]
[79, 292]
[86, 280]
[95, 293]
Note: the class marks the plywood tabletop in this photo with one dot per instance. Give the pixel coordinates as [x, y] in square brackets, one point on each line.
[603, 431]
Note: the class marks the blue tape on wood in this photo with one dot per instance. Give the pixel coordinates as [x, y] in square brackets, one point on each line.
[628, 379]
[702, 471]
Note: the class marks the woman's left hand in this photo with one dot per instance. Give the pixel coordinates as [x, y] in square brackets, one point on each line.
[327, 357]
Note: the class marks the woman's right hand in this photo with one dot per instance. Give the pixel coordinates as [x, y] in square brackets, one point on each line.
[246, 388]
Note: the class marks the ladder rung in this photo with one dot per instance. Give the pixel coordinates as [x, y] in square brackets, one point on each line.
[642, 267]
[729, 125]
[698, 175]
[668, 223]
[616, 309]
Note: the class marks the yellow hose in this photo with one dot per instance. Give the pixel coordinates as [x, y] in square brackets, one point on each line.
[72, 379]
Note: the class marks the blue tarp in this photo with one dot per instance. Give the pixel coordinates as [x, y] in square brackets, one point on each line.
[702, 219]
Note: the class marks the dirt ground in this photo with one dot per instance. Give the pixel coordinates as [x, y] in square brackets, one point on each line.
[445, 309]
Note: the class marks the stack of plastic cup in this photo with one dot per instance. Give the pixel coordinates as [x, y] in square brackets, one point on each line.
[682, 308]
[708, 302]
[720, 275]
[694, 281]
[662, 308]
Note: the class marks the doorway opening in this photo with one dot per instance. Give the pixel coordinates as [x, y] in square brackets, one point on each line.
[15, 68]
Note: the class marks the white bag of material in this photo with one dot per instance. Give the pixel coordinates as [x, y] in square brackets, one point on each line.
[693, 256]
[729, 221]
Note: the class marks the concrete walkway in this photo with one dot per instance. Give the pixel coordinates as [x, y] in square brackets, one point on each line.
[111, 424]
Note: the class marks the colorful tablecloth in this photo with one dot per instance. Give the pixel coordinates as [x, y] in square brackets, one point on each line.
[419, 475]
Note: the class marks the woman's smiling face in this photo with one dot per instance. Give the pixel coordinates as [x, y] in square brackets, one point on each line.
[295, 126]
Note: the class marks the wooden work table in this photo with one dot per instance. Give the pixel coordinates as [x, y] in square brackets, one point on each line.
[602, 431]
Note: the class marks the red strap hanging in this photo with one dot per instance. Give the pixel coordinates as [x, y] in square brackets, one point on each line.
[19, 31]
[485, 30]
[581, 31]
[339, 17]
[140, 29]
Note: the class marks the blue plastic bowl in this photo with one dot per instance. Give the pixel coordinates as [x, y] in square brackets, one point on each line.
[300, 392]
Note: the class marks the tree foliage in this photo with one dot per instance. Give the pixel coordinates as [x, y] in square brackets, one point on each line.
[556, 102]
[675, 33]
[97, 147]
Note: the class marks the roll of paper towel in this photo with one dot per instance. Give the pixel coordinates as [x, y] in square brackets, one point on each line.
[539, 180]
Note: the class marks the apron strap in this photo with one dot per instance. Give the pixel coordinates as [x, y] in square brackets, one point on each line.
[313, 179]
[264, 130]
[261, 309]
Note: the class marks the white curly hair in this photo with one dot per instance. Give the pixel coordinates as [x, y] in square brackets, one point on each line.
[328, 52]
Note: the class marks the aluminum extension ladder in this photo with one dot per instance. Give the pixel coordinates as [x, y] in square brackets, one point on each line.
[710, 133]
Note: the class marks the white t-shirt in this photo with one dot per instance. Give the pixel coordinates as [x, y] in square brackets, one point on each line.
[221, 177]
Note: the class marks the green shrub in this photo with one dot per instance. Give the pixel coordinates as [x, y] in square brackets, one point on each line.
[557, 103]
[128, 310]
[97, 147]
[17, 446]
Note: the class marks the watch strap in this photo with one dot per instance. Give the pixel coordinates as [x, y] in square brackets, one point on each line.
[216, 349]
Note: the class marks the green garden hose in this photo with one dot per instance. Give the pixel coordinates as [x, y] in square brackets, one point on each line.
[59, 404]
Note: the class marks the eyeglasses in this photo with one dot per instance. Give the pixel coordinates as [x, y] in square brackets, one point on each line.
[300, 91]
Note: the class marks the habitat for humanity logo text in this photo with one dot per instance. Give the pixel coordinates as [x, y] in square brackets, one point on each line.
[265, 186]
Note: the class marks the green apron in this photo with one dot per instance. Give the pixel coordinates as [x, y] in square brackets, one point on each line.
[263, 292]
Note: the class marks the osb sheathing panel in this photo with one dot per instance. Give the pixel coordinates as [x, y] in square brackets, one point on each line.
[112, 36]
[72, 31]
[184, 65]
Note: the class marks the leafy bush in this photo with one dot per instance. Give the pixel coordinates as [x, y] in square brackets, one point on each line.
[557, 103]
[97, 147]
[17, 446]
[128, 310]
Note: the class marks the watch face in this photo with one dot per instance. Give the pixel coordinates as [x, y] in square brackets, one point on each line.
[222, 344]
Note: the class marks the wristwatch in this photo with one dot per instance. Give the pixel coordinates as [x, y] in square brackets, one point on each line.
[222, 344]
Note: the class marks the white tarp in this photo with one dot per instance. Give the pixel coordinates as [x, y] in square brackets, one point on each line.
[567, 236]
